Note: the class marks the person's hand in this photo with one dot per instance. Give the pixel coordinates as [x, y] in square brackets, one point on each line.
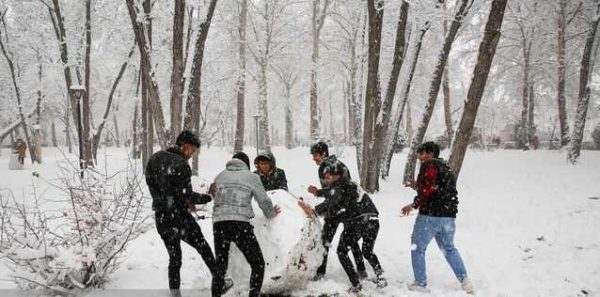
[306, 207]
[407, 209]
[277, 209]
[212, 189]
[312, 189]
[191, 207]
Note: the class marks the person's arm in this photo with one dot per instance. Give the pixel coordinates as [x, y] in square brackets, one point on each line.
[282, 180]
[332, 203]
[264, 202]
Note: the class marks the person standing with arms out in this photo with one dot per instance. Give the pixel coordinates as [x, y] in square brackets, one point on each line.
[352, 206]
[234, 189]
[437, 202]
[320, 154]
[168, 176]
[272, 178]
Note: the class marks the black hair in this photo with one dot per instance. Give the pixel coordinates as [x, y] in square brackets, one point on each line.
[242, 156]
[187, 137]
[429, 147]
[319, 147]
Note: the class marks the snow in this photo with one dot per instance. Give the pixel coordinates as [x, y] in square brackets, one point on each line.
[527, 226]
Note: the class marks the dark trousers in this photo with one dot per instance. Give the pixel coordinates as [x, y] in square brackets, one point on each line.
[329, 229]
[242, 234]
[367, 230]
[173, 228]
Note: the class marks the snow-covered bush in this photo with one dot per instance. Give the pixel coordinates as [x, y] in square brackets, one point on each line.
[80, 245]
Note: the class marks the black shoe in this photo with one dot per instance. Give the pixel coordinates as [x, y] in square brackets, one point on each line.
[318, 277]
[381, 282]
[227, 284]
[362, 274]
[355, 289]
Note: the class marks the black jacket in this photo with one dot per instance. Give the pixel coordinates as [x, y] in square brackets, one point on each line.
[326, 162]
[436, 190]
[168, 176]
[342, 202]
[275, 179]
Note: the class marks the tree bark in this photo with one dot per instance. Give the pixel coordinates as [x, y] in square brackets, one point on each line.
[192, 115]
[178, 69]
[447, 99]
[97, 135]
[561, 69]
[395, 133]
[140, 29]
[382, 126]
[409, 169]
[88, 155]
[587, 65]
[241, 84]
[373, 95]
[318, 19]
[487, 50]
[531, 128]
[53, 134]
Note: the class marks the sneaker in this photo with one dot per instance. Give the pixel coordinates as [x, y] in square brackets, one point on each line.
[467, 285]
[227, 284]
[418, 287]
[381, 282]
[362, 274]
[355, 289]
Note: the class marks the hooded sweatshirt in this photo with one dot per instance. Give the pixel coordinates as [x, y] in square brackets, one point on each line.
[274, 179]
[236, 186]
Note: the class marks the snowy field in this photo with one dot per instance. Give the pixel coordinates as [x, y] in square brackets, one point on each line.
[528, 225]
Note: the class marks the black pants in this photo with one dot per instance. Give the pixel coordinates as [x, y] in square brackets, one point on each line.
[173, 228]
[366, 229]
[242, 234]
[329, 229]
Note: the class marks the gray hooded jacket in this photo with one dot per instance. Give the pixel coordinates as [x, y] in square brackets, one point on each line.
[236, 186]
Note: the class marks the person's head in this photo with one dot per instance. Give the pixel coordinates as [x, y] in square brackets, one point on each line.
[427, 151]
[263, 163]
[188, 142]
[242, 156]
[333, 172]
[319, 151]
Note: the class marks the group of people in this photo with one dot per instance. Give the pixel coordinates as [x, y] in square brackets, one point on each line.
[168, 176]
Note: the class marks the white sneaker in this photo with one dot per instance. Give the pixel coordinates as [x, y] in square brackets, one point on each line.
[467, 285]
[418, 287]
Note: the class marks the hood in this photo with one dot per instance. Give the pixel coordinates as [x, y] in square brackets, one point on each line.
[266, 155]
[236, 165]
[175, 150]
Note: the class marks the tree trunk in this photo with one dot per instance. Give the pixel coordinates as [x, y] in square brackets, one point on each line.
[562, 63]
[409, 169]
[318, 19]
[373, 95]
[97, 135]
[178, 69]
[37, 129]
[382, 125]
[487, 50]
[192, 108]
[530, 117]
[68, 128]
[88, 154]
[264, 142]
[395, 133]
[117, 133]
[141, 31]
[135, 149]
[289, 123]
[53, 134]
[524, 139]
[447, 99]
[587, 65]
[241, 84]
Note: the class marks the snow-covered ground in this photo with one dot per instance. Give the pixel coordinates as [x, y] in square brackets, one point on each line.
[527, 225]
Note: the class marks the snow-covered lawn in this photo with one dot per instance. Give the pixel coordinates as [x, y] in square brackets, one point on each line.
[528, 225]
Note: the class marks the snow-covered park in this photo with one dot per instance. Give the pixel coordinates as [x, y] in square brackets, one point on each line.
[526, 226]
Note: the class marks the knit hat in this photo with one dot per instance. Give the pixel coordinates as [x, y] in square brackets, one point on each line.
[242, 156]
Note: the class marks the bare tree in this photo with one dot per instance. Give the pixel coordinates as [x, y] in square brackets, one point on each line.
[487, 50]
[587, 65]
[288, 76]
[409, 169]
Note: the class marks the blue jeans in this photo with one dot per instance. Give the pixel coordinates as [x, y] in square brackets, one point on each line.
[442, 229]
